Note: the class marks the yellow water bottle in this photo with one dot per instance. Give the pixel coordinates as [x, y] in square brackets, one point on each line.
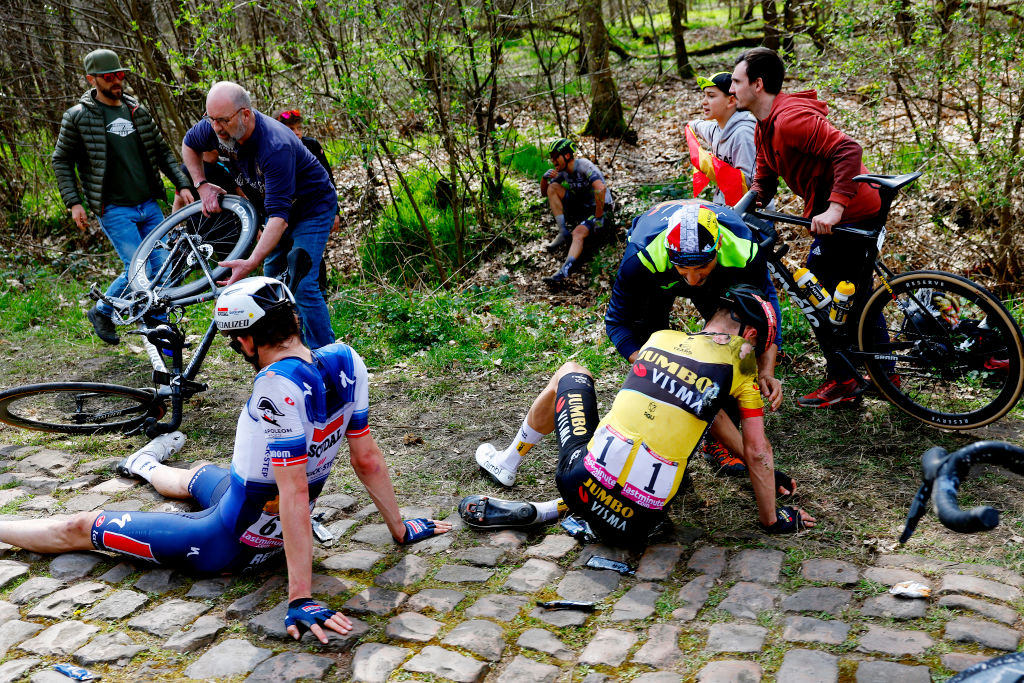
[815, 292]
[842, 301]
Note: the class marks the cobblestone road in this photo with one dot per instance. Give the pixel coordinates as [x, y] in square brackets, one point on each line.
[462, 606]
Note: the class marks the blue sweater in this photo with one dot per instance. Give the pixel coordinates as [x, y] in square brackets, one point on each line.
[294, 184]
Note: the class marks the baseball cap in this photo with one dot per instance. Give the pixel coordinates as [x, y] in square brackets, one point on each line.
[102, 62]
[721, 80]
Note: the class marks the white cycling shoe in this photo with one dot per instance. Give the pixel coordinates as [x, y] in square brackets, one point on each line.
[485, 457]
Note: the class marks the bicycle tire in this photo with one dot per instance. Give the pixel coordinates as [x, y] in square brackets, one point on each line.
[957, 363]
[221, 237]
[100, 408]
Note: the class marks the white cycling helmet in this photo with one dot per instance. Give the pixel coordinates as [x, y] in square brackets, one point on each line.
[246, 302]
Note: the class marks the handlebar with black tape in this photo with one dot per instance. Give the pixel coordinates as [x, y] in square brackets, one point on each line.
[943, 474]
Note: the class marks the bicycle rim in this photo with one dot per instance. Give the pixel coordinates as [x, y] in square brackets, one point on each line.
[78, 407]
[953, 358]
[186, 241]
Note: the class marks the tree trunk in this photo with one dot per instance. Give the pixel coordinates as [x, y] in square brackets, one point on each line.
[605, 120]
[771, 24]
[677, 15]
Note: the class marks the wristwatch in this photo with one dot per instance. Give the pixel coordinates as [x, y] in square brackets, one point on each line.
[202, 182]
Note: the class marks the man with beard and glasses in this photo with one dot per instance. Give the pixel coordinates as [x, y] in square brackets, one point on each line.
[299, 198]
[288, 436]
[114, 145]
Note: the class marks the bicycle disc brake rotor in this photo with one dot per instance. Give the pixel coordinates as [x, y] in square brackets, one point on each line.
[205, 249]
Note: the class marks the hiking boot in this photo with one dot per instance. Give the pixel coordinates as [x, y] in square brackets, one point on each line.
[103, 326]
[486, 455]
[831, 393]
[719, 457]
[560, 241]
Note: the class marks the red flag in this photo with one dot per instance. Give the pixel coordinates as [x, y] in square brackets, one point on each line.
[730, 181]
[699, 160]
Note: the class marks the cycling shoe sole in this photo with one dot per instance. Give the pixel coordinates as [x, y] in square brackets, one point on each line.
[485, 512]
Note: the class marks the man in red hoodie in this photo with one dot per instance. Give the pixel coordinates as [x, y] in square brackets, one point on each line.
[796, 142]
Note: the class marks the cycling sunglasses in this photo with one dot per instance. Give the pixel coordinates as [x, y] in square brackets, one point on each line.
[112, 76]
[691, 260]
[291, 113]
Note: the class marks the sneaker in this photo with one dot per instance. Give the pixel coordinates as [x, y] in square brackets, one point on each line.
[719, 457]
[895, 378]
[994, 363]
[103, 326]
[560, 241]
[831, 393]
[159, 449]
[485, 457]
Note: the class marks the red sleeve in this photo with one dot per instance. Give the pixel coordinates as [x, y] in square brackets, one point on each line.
[819, 138]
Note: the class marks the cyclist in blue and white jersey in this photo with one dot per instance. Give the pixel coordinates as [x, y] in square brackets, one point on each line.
[288, 436]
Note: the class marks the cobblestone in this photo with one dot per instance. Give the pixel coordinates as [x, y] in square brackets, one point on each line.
[483, 637]
[831, 600]
[1007, 615]
[730, 671]
[891, 641]
[810, 630]
[891, 672]
[736, 638]
[608, 647]
[475, 617]
[447, 664]
[374, 662]
[808, 666]
[661, 650]
[829, 571]
[985, 633]
[745, 600]
[762, 566]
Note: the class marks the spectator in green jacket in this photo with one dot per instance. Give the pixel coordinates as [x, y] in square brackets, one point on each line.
[110, 144]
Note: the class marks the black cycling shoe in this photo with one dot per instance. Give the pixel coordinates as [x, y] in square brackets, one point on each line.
[104, 326]
[485, 512]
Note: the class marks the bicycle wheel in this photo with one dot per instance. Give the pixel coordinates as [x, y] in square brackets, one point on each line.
[954, 354]
[79, 407]
[186, 240]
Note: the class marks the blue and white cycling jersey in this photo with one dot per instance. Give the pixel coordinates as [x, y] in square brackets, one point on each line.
[296, 417]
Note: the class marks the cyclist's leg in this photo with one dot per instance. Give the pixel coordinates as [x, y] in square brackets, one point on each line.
[834, 258]
[311, 235]
[50, 535]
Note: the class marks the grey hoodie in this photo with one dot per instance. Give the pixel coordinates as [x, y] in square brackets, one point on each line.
[733, 144]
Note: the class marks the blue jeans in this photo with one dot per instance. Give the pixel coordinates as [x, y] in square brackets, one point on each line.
[309, 234]
[126, 227]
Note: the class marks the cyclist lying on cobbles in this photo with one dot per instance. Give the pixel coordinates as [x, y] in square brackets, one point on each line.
[288, 436]
[619, 473]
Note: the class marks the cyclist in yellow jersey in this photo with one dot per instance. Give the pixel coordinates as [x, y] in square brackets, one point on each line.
[619, 473]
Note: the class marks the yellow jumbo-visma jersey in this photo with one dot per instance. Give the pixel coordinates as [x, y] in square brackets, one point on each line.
[672, 393]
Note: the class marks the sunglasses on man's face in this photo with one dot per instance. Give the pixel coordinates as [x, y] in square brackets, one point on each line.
[113, 76]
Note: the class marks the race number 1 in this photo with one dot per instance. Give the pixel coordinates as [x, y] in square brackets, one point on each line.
[609, 455]
[650, 479]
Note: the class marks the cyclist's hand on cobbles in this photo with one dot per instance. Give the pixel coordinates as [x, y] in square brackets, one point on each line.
[771, 389]
[304, 614]
[210, 194]
[789, 520]
[822, 223]
[240, 268]
[419, 529]
[79, 216]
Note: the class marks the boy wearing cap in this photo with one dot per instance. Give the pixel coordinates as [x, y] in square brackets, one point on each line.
[114, 145]
[730, 134]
